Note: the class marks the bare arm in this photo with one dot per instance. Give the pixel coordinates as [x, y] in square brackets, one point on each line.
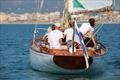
[93, 39]
[60, 40]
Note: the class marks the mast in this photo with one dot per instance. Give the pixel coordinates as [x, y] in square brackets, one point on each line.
[66, 13]
[67, 18]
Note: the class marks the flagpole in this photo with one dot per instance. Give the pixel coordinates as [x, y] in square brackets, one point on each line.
[73, 35]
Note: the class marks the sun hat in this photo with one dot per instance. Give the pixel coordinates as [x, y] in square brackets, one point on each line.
[57, 24]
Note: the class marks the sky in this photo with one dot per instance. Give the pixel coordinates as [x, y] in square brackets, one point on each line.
[22, 6]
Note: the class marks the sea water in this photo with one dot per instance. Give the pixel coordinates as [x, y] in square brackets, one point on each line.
[15, 40]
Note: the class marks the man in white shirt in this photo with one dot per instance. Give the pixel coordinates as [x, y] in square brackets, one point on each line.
[55, 38]
[88, 29]
[85, 28]
[68, 33]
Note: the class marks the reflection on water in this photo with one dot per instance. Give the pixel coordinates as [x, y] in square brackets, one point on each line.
[95, 71]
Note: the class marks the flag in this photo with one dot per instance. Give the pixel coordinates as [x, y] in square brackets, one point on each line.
[82, 44]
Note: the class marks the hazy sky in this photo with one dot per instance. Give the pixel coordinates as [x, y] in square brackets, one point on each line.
[21, 6]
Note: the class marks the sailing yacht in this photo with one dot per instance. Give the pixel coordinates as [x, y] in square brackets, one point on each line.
[43, 58]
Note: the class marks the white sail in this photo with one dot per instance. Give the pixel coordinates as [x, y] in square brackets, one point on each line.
[81, 5]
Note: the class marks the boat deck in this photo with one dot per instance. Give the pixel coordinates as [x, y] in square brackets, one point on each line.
[65, 52]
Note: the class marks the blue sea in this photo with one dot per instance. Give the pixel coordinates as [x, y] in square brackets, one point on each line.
[15, 40]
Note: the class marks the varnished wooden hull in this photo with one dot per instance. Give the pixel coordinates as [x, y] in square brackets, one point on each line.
[57, 64]
[61, 60]
[71, 62]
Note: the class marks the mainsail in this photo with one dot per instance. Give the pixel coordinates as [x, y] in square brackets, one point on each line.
[73, 7]
[87, 5]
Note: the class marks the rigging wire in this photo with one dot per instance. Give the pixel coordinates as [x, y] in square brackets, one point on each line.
[97, 30]
[38, 9]
[42, 1]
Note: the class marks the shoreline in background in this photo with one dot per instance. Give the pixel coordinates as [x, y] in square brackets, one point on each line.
[25, 23]
[111, 17]
[52, 23]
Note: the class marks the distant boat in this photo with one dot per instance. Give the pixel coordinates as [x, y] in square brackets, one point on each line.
[61, 60]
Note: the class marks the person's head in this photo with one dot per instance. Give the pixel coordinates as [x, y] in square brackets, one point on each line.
[71, 23]
[92, 22]
[53, 27]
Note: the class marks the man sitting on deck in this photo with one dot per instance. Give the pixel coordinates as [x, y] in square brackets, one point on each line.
[87, 29]
[68, 33]
[55, 37]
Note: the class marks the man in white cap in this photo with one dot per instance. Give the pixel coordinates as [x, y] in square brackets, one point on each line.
[55, 37]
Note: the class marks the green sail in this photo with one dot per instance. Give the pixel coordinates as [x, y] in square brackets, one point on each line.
[77, 4]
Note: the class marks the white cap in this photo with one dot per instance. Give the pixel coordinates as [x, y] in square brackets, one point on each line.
[57, 24]
[49, 29]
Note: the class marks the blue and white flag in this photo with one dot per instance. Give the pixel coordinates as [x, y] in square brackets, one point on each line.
[82, 44]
